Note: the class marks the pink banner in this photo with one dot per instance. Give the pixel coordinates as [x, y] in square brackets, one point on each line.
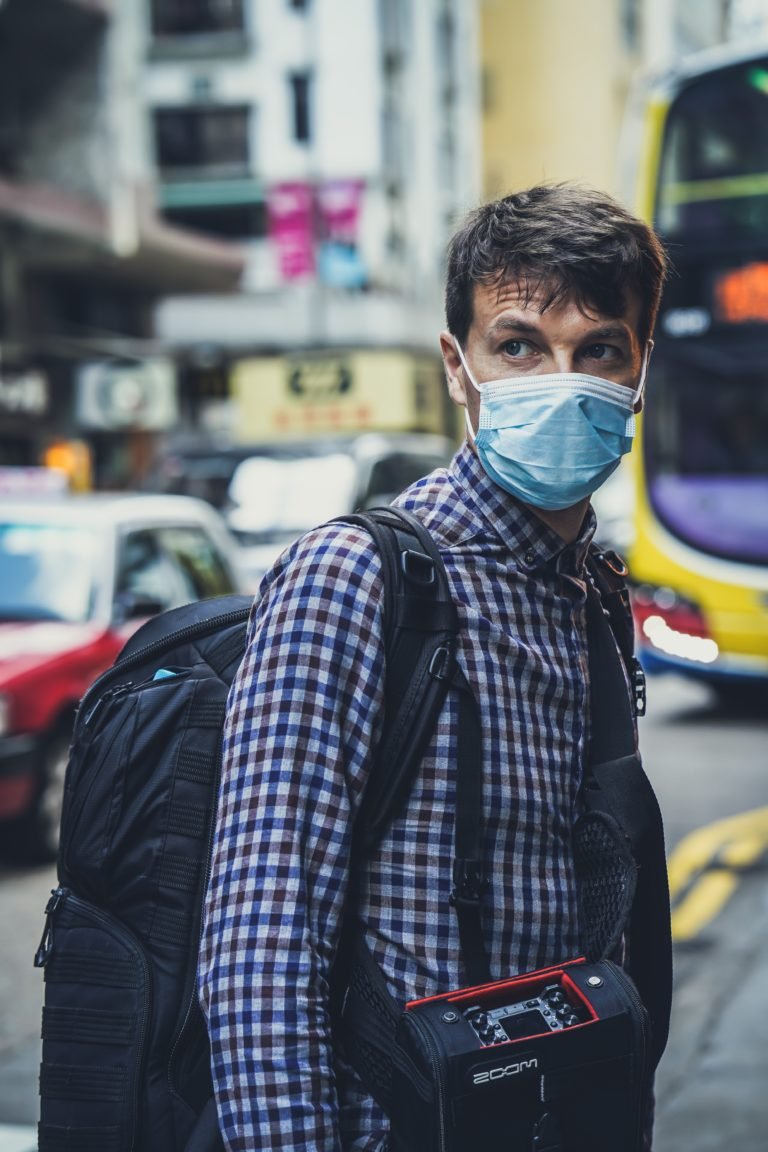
[291, 228]
[339, 202]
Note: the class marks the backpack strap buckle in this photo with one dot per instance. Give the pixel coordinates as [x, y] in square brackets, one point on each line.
[638, 687]
[611, 559]
[442, 664]
[418, 568]
[468, 882]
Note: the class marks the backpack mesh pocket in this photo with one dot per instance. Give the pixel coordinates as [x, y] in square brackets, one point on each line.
[606, 875]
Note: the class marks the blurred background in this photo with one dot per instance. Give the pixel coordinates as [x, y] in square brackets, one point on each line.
[222, 240]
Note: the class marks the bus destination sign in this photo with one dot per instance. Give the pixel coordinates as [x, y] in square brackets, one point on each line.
[740, 295]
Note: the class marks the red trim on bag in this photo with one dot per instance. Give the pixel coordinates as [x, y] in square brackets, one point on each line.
[521, 983]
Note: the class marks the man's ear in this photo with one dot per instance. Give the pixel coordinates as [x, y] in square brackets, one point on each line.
[454, 372]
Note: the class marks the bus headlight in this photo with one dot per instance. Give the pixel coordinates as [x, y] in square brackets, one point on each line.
[673, 624]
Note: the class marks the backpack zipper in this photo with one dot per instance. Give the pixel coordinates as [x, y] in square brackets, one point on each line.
[206, 878]
[426, 1035]
[45, 947]
[89, 911]
[103, 701]
[641, 1031]
[236, 616]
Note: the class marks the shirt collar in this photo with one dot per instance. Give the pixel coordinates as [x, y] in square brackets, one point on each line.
[533, 543]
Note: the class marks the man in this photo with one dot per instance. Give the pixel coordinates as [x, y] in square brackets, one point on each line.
[551, 300]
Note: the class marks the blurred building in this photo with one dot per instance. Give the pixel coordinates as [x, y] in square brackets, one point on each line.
[337, 140]
[558, 78]
[83, 253]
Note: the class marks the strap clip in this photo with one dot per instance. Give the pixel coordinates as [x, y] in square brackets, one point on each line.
[612, 560]
[468, 882]
[418, 568]
[441, 666]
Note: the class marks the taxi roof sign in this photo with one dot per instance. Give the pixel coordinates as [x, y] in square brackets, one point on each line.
[32, 481]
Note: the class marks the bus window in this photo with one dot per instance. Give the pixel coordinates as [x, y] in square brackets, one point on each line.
[706, 457]
[714, 173]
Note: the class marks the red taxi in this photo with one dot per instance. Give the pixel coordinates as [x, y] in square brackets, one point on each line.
[78, 574]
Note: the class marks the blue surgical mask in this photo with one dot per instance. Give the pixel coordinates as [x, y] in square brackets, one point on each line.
[552, 440]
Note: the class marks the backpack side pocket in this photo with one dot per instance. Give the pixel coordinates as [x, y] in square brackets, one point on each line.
[97, 1005]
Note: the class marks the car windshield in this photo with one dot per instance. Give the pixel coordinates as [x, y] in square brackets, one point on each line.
[285, 497]
[46, 572]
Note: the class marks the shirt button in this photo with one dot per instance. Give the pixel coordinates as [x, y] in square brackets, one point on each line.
[530, 556]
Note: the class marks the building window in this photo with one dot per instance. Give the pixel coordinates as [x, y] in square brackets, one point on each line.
[204, 138]
[300, 83]
[630, 24]
[229, 221]
[194, 17]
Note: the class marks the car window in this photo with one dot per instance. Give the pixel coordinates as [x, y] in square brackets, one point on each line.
[147, 571]
[289, 496]
[390, 475]
[198, 556]
[47, 571]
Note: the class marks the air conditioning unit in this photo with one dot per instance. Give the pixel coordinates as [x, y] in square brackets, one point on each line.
[139, 395]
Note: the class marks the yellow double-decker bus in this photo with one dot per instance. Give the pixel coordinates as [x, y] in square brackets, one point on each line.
[699, 557]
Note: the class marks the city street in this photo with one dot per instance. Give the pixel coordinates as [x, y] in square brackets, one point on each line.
[707, 765]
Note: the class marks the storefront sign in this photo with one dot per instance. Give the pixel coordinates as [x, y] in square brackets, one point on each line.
[318, 381]
[25, 394]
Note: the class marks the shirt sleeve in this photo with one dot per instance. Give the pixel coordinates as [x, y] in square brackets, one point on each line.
[304, 712]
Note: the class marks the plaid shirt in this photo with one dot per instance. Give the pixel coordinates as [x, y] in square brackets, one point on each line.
[305, 712]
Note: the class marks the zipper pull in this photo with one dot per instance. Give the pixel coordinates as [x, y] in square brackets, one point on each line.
[45, 946]
[106, 698]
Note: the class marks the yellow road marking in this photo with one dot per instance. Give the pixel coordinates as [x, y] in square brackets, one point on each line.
[703, 869]
[708, 896]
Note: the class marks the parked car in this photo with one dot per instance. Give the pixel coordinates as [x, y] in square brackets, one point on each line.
[274, 496]
[78, 574]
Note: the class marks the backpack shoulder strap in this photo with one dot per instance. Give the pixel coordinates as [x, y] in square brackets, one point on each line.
[617, 786]
[420, 629]
[607, 573]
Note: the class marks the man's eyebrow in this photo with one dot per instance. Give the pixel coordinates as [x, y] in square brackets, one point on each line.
[510, 324]
[527, 327]
[609, 332]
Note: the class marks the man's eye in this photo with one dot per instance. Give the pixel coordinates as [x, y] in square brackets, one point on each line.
[602, 352]
[516, 348]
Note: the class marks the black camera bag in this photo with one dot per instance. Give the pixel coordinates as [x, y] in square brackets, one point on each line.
[582, 1088]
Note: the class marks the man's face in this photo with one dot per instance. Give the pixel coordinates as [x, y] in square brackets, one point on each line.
[509, 337]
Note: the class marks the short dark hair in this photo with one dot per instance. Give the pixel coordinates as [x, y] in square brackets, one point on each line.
[564, 240]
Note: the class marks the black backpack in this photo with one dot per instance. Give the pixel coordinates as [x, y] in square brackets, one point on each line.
[126, 1059]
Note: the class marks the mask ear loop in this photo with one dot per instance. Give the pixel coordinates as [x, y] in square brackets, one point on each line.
[643, 373]
[474, 384]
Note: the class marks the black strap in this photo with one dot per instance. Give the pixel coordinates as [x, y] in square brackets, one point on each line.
[420, 627]
[421, 623]
[468, 876]
[616, 784]
[607, 572]
[612, 723]
[420, 630]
